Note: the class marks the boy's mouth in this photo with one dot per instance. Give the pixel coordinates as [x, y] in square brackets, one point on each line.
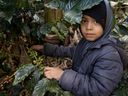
[89, 34]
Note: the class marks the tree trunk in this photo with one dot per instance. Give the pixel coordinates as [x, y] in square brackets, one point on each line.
[52, 15]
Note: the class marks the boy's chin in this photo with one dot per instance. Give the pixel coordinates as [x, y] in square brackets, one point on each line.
[91, 39]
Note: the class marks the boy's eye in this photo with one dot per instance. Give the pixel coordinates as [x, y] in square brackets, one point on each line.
[95, 22]
[83, 21]
[86, 21]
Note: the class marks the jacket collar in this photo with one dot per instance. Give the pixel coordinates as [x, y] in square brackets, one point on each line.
[102, 42]
[98, 44]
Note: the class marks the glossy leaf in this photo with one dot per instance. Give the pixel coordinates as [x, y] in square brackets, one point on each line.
[72, 4]
[53, 87]
[72, 8]
[50, 86]
[23, 72]
[73, 16]
[45, 29]
[124, 38]
[56, 31]
[123, 30]
[41, 88]
[55, 4]
[63, 29]
[31, 82]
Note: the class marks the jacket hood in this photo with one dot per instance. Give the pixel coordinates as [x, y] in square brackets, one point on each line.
[109, 20]
[85, 45]
[105, 39]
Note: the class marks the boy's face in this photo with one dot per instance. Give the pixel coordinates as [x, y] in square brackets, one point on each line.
[90, 29]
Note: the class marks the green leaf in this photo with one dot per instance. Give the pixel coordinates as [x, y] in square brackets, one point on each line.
[63, 29]
[41, 87]
[7, 6]
[26, 29]
[86, 4]
[72, 8]
[23, 4]
[123, 30]
[57, 31]
[50, 86]
[4, 25]
[23, 72]
[116, 31]
[73, 16]
[72, 4]
[45, 28]
[125, 23]
[3, 94]
[31, 82]
[55, 4]
[53, 87]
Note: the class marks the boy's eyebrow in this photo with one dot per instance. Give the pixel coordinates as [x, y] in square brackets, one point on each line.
[84, 18]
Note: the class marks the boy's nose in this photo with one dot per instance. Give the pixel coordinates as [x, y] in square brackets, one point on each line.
[89, 25]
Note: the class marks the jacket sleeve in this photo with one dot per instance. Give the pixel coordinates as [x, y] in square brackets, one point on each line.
[105, 77]
[58, 51]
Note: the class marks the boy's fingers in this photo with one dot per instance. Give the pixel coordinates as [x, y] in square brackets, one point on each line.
[48, 75]
[37, 47]
[47, 68]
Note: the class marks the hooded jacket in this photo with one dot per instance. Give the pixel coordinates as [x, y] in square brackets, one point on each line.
[97, 67]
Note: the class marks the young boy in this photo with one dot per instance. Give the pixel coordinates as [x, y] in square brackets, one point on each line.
[97, 67]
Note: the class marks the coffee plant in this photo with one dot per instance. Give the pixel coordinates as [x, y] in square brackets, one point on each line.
[27, 22]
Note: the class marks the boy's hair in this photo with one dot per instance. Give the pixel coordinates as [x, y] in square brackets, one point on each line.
[98, 12]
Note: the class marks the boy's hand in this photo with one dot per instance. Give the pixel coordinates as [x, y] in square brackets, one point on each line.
[38, 48]
[53, 72]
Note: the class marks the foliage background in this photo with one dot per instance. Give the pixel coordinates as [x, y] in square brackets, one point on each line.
[27, 22]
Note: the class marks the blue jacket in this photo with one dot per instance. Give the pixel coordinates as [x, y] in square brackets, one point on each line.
[95, 72]
[97, 67]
